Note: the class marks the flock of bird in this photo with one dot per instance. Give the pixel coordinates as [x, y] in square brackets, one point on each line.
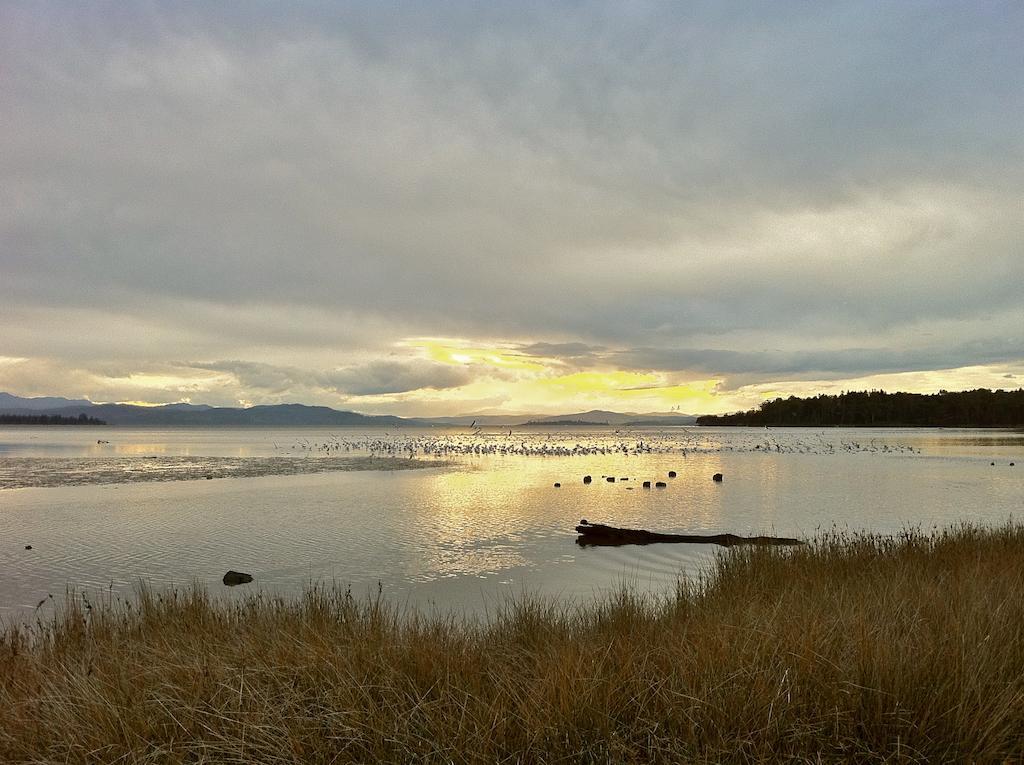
[478, 442]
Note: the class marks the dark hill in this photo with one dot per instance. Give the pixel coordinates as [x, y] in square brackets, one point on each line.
[10, 403]
[279, 415]
[980, 408]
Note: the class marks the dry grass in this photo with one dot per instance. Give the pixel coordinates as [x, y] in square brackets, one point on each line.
[849, 649]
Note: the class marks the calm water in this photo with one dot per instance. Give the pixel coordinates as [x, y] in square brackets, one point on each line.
[455, 519]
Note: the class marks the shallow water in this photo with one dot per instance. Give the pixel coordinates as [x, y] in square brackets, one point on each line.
[479, 519]
[28, 472]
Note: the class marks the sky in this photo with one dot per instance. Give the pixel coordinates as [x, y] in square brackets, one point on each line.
[435, 208]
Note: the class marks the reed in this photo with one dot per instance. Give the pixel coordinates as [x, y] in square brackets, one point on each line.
[851, 648]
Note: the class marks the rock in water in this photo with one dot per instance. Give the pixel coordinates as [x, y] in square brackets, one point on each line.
[671, 473]
[558, 486]
[587, 479]
[660, 484]
[236, 577]
[647, 484]
[610, 479]
[717, 477]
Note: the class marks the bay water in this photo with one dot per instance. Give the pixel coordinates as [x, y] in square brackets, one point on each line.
[455, 519]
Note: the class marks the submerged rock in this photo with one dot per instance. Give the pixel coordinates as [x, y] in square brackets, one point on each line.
[232, 578]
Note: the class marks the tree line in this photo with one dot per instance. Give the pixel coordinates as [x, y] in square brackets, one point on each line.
[981, 408]
[48, 419]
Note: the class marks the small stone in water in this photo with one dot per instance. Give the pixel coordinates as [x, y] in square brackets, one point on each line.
[231, 578]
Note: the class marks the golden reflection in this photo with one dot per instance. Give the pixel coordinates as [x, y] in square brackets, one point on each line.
[465, 518]
[134, 449]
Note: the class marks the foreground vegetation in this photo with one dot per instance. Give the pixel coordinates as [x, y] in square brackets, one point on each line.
[980, 408]
[849, 648]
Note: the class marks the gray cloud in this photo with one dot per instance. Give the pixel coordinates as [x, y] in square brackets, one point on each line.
[383, 377]
[751, 367]
[369, 379]
[576, 354]
[267, 379]
[289, 187]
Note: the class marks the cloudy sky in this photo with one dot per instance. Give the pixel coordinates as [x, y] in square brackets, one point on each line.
[445, 207]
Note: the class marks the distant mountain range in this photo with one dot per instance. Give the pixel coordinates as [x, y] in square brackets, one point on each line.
[300, 415]
[9, 402]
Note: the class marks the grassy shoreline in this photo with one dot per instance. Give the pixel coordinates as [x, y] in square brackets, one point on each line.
[859, 648]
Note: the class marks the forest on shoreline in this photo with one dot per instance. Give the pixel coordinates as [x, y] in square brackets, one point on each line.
[48, 419]
[981, 408]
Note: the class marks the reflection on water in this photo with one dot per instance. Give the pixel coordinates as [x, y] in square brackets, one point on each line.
[1002, 438]
[486, 522]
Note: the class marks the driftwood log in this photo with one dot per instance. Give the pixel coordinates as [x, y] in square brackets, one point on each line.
[599, 534]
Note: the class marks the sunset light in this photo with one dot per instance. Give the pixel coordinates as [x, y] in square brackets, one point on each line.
[511, 382]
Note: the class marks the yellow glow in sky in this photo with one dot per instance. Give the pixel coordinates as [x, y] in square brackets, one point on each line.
[502, 379]
[456, 352]
[506, 381]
